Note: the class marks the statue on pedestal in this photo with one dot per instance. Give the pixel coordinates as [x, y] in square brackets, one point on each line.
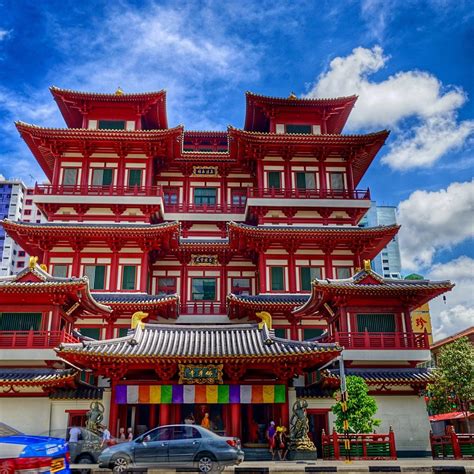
[94, 417]
[299, 439]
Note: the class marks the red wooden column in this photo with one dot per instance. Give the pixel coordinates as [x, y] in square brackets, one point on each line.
[165, 413]
[85, 171]
[144, 273]
[328, 262]
[177, 415]
[260, 181]
[109, 329]
[285, 412]
[235, 420]
[113, 413]
[152, 417]
[262, 273]
[121, 171]
[291, 271]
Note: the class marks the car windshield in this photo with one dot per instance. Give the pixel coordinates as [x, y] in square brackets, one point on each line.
[6, 430]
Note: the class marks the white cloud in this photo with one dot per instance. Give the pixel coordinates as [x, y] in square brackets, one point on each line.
[4, 34]
[458, 311]
[434, 220]
[406, 95]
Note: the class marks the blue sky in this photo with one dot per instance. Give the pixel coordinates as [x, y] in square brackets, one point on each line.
[410, 62]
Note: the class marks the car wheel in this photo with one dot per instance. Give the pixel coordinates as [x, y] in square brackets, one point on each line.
[206, 463]
[84, 459]
[120, 463]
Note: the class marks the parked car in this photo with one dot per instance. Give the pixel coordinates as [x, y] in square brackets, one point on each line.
[21, 453]
[175, 445]
[87, 449]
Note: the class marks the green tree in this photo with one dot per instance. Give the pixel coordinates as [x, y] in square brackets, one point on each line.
[452, 388]
[361, 407]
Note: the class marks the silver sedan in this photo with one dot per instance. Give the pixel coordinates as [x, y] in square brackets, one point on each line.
[177, 446]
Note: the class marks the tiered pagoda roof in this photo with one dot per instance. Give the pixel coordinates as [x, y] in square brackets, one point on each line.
[41, 377]
[34, 282]
[75, 104]
[232, 345]
[33, 236]
[260, 107]
[367, 283]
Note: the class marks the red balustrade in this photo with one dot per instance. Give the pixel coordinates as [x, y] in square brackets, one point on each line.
[361, 446]
[452, 445]
[203, 308]
[93, 190]
[34, 339]
[295, 193]
[380, 340]
[205, 208]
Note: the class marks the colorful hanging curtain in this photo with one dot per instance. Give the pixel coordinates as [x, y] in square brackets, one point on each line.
[244, 394]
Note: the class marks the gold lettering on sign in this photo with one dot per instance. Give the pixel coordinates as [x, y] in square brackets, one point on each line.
[200, 374]
[204, 260]
[205, 171]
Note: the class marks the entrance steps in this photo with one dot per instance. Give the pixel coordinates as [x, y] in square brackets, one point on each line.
[257, 454]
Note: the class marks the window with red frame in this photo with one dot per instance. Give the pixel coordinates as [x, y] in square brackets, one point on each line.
[166, 286]
[171, 196]
[241, 286]
[239, 197]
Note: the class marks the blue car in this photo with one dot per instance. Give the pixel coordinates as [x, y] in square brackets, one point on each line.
[24, 454]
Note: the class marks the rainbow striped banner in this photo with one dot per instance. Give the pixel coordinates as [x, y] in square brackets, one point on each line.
[244, 394]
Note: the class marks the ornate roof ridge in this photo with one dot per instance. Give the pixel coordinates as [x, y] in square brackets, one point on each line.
[20, 125]
[206, 132]
[333, 136]
[112, 95]
[85, 225]
[289, 228]
[298, 100]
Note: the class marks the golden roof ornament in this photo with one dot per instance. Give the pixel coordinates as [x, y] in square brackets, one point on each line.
[266, 319]
[137, 319]
[119, 91]
[367, 266]
[292, 96]
[33, 261]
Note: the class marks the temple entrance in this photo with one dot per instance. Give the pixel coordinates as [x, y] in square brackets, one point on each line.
[318, 421]
[255, 421]
[197, 412]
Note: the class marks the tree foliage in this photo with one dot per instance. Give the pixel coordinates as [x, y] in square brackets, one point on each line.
[361, 407]
[452, 388]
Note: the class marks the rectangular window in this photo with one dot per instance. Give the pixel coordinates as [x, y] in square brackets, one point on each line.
[239, 197]
[294, 128]
[27, 212]
[241, 286]
[20, 321]
[123, 332]
[337, 181]
[128, 277]
[70, 176]
[60, 271]
[274, 179]
[112, 124]
[280, 332]
[166, 285]
[203, 289]
[102, 177]
[171, 196]
[28, 202]
[376, 322]
[277, 278]
[343, 272]
[305, 180]
[96, 275]
[308, 274]
[312, 333]
[135, 177]
[205, 196]
[93, 333]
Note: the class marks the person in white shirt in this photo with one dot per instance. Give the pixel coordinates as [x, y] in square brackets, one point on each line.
[74, 434]
[106, 437]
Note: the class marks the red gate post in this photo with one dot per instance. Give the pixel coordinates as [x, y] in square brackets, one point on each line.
[391, 437]
[455, 444]
[335, 441]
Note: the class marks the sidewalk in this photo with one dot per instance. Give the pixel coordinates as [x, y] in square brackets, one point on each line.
[408, 465]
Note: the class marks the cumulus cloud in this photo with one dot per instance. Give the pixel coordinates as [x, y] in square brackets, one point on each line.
[4, 34]
[390, 102]
[434, 220]
[457, 313]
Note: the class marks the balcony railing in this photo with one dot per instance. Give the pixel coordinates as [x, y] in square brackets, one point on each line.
[203, 308]
[295, 193]
[93, 190]
[34, 339]
[205, 208]
[380, 340]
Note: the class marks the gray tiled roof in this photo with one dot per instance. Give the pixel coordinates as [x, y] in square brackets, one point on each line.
[131, 298]
[80, 393]
[409, 375]
[37, 375]
[189, 341]
[282, 298]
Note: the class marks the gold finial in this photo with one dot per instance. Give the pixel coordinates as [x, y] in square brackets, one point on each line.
[33, 262]
[292, 96]
[367, 266]
[137, 319]
[119, 91]
[44, 267]
[266, 319]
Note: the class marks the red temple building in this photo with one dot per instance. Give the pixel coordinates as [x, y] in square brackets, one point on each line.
[194, 237]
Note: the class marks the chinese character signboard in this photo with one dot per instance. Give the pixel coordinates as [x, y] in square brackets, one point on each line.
[200, 374]
[421, 321]
[205, 171]
[204, 260]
